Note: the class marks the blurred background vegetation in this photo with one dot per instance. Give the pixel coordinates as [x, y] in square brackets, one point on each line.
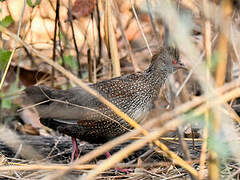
[100, 39]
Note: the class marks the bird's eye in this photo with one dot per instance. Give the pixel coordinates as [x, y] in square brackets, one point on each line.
[174, 62]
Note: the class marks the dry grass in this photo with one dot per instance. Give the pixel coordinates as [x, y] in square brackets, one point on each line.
[219, 157]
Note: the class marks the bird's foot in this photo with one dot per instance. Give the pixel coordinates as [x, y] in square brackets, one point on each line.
[127, 171]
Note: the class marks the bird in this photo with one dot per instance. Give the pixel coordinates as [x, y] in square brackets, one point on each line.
[78, 114]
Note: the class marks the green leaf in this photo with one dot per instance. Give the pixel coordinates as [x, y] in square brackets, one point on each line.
[63, 38]
[31, 4]
[6, 103]
[7, 98]
[191, 117]
[215, 59]
[217, 143]
[70, 61]
[60, 61]
[7, 21]
[4, 58]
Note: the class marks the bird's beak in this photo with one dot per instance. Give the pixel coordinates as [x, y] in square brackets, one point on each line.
[181, 66]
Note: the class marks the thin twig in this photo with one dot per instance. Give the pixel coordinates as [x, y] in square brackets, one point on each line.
[192, 70]
[99, 36]
[54, 40]
[140, 27]
[149, 6]
[74, 39]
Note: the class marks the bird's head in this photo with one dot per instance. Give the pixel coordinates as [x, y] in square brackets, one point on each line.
[167, 60]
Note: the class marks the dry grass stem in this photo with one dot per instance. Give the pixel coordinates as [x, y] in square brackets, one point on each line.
[14, 49]
[128, 46]
[208, 51]
[111, 41]
[52, 167]
[220, 79]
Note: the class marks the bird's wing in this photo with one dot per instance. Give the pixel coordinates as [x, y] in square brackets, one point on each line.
[77, 104]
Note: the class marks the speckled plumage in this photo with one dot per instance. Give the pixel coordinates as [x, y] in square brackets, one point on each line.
[78, 114]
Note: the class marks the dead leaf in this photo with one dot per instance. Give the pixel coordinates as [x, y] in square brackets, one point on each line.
[83, 8]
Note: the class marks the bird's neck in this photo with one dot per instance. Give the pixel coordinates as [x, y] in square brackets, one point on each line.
[156, 76]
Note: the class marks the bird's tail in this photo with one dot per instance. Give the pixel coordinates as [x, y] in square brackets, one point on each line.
[44, 100]
[38, 94]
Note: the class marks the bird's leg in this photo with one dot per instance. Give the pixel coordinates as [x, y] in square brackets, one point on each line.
[75, 148]
[127, 171]
[107, 154]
